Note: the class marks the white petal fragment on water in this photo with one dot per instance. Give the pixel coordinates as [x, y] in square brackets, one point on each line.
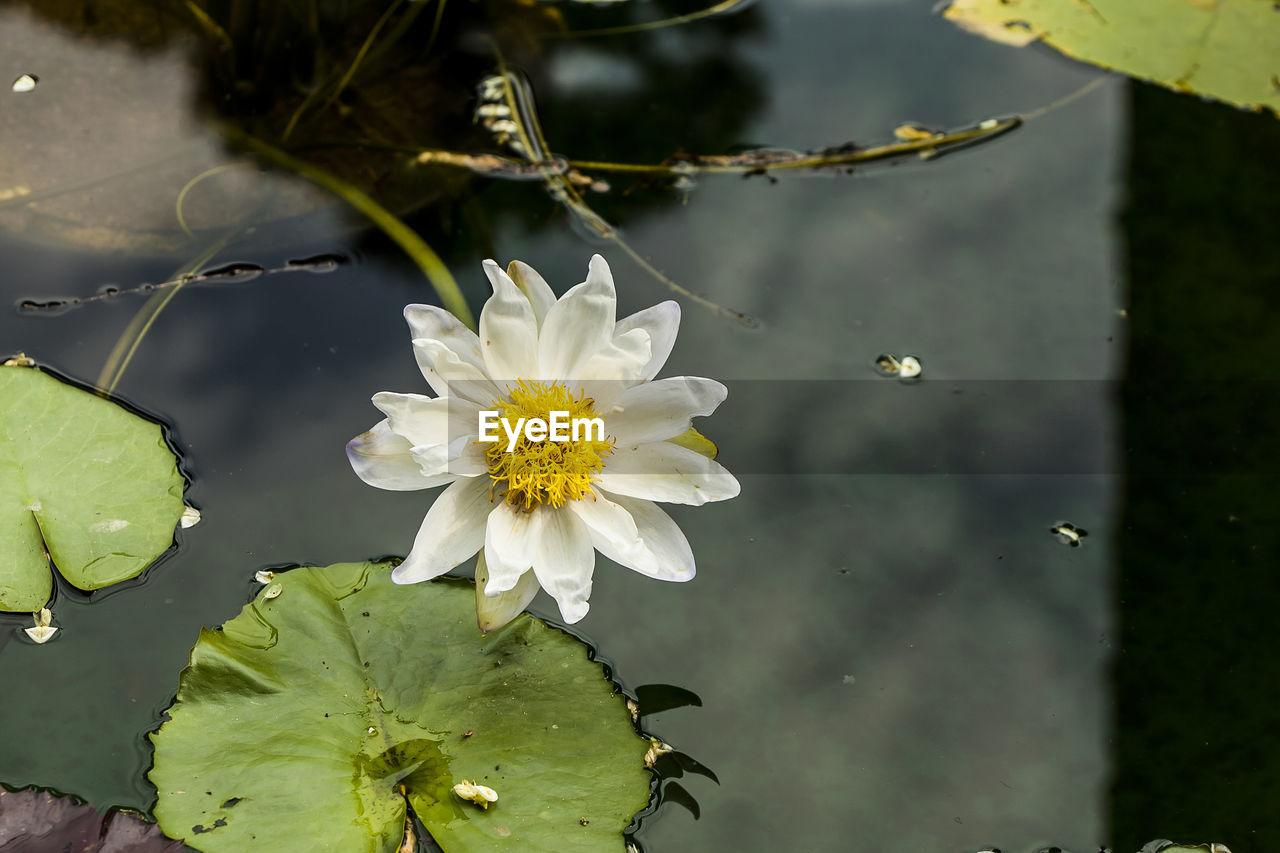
[42, 631]
[908, 368]
[25, 83]
[264, 577]
[656, 748]
[190, 517]
[1069, 534]
[478, 794]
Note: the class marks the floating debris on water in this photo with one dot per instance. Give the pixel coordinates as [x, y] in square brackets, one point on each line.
[190, 517]
[320, 264]
[914, 132]
[235, 273]
[1161, 844]
[264, 577]
[908, 368]
[25, 83]
[656, 748]
[43, 630]
[1069, 534]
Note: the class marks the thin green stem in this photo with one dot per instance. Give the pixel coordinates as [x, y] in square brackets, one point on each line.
[127, 345]
[404, 236]
[749, 164]
[87, 183]
[717, 9]
[190, 185]
[435, 25]
[360, 54]
[338, 87]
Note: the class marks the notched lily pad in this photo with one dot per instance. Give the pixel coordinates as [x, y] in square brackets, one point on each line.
[39, 822]
[310, 719]
[84, 483]
[1225, 49]
[1165, 846]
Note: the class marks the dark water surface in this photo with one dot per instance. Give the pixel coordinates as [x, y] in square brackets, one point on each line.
[892, 650]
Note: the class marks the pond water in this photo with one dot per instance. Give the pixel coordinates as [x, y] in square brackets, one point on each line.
[891, 649]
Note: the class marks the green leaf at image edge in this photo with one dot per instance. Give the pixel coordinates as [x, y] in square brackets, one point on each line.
[299, 722]
[83, 477]
[1225, 49]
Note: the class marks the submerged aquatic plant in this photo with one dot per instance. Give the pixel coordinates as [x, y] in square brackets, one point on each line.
[536, 505]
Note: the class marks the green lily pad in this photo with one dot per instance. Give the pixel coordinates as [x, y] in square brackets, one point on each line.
[307, 721]
[1225, 49]
[82, 478]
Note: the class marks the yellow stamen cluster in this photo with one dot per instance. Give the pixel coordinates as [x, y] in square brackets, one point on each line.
[550, 472]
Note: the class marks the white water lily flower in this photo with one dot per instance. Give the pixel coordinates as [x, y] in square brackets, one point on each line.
[541, 505]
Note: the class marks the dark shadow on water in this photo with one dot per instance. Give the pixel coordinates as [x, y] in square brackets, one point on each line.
[1197, 747]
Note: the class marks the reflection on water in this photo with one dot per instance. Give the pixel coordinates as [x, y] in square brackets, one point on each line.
[888, 644]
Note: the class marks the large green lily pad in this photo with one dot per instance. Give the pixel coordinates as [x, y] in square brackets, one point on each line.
[306, 722]
[1226, 49]
[83, 478]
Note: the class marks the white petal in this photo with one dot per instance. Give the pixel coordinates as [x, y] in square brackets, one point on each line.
[662, 537]
[444, 369]
[381, 458]
[656, 411]
[662, 322]
[467, 458]
[434, 323]
[614, 534]
[40, 634]
[563, 560]
[579, 327]
[493, 613]
[534, 286]
[662, 471]
[428, 420]
[452, 532]
[508, 330]
[509, 540]
[456, 459]
[620, 362]
[613, 369]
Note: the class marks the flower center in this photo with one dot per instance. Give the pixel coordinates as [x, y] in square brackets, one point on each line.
[547, 471]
